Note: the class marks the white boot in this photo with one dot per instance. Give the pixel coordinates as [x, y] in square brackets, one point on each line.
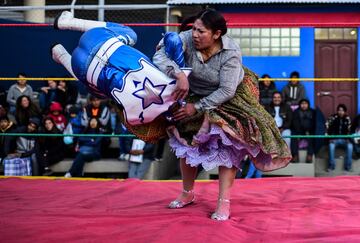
[60, 55]
[66, 21]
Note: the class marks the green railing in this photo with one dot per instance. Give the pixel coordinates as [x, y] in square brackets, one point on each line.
[131, 135]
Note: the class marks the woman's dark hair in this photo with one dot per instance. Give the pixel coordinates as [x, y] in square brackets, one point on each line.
[296, 74]
[213, 20]
[22, 114]
[186, 24]
[54, 129]
[304, 100]
[262, 85]
[19, 99]
[341, 106]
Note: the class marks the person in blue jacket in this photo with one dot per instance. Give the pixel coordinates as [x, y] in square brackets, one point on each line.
[88, 150]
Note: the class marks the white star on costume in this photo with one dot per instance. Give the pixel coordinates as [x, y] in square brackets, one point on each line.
[150, 93]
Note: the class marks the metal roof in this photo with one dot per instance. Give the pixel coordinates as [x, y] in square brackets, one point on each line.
[192, 2]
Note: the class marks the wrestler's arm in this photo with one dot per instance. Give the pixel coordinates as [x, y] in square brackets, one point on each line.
[168, 57]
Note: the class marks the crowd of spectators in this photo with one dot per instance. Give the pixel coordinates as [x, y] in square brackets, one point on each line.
[56, 109]
[293, 115]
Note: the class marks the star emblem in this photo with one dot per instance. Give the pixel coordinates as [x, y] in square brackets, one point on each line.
[150, 93]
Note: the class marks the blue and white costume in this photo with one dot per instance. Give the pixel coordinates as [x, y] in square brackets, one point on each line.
[110, 68]
[106, 63]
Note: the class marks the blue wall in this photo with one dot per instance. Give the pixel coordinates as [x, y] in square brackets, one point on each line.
[281, 67]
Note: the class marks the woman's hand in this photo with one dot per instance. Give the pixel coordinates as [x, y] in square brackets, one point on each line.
[182, 86]
[183, 112]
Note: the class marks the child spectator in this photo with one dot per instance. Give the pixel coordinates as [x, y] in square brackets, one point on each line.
[50, 149]
[266, 89]
[294, 91]
[17, 90]
[25, 108]
[89, 149]
[57, 115]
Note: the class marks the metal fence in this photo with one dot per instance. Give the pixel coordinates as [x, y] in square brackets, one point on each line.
[120, 13]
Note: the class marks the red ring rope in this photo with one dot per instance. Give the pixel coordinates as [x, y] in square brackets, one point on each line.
[232, 25]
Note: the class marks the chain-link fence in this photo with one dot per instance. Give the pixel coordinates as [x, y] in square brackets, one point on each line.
[139, 14]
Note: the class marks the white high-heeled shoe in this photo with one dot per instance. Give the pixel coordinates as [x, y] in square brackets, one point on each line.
[221, 213]
[179, 203]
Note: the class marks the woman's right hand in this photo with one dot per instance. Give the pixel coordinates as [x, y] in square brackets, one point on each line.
[182, 86]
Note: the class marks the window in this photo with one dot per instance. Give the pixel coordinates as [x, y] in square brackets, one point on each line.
[335, 34]
[267, 41]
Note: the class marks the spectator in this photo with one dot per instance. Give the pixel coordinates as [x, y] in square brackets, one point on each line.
[50, 149]
[266, 88]
[25, 108]
[303, 123]
[48, 95]
[25, 146]
[89, 149]
[6, 126]
[339, 124]
[294, 91]
[96, 109]
[282, 114]
[17, 90]
[141, 156]
[57, 115]
[66, 94]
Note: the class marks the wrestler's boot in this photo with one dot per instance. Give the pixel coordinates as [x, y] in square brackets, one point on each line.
[60, 55]
[185, 198]
[66, 21]
[222, 211]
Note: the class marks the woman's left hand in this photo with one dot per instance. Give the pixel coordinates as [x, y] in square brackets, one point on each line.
[186, 111]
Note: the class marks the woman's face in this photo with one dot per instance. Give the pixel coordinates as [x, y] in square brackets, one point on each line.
[62, 84]
[203, 37]
[49, 125]
[267, 82]
[52, 84]
[25, 102]
[93, 123]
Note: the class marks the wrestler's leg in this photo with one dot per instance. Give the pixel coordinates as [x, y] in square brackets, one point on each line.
[60, 55]
[188, 174]
[226, 180]
[66, 21]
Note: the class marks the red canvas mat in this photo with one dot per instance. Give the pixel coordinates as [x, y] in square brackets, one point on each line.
[263, 210]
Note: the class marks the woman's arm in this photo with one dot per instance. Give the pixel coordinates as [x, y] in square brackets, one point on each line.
[230, 78]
